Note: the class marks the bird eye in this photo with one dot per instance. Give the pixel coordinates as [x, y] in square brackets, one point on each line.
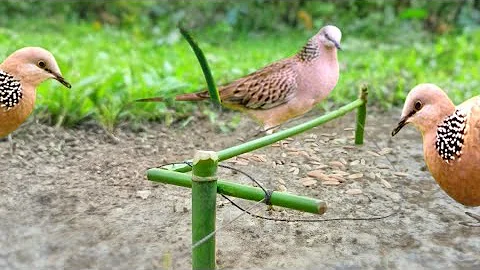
[41, 64]
[418, 105]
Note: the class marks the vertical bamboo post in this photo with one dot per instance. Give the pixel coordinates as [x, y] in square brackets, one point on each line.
[204, 192]
[361, 116]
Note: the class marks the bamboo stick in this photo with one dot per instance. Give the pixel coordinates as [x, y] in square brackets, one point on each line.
[282, 199]
[275, 137]
[204, 194]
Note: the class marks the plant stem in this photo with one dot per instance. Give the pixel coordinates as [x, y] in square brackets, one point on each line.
[212, 89]
[361, 116]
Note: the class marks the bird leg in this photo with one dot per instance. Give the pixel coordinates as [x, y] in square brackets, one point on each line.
[271, 130]
[264, 131]
[13, 146]
[474, 216]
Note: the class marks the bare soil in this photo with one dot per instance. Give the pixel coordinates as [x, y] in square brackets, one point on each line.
[76, 199]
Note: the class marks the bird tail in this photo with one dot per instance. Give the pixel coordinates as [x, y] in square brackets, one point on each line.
[183, 97]
[153, 99]
[192, 96]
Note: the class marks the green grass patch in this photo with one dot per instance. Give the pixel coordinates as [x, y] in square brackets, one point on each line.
[111, 67]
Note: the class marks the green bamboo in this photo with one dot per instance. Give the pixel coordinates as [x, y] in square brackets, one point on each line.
[361, 116]
[278, 136]
[282, 199]
[204, 194]
[212, 89]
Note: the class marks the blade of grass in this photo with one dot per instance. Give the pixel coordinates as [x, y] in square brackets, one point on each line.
[212, 89]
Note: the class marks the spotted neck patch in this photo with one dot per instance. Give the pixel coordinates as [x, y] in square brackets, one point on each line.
[10, 91]
[450, 136]
[310, 51]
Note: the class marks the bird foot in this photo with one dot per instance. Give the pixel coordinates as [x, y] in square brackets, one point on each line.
[265, 131]
[474, 224]
[271, 130]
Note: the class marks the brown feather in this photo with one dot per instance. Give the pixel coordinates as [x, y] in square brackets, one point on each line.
[266, 88]
[193, 96]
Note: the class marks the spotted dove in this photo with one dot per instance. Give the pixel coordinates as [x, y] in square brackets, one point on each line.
[284, 89]
[451, 140]
[20, 74]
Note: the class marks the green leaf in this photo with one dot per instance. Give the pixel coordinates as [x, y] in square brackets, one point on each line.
[212, 89]
[414, 13]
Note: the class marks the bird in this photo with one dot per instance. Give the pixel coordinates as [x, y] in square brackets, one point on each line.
[451, 140]
[283, 89]
[20, 74]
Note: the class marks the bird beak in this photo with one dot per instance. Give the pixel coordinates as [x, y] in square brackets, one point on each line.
[400, 125]
[59, 78]
[337, 45]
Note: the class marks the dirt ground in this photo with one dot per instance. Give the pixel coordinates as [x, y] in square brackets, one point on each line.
[75, 199]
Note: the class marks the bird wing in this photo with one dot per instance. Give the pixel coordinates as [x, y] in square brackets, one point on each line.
[473, 107]
[264, 89]
[476, 115]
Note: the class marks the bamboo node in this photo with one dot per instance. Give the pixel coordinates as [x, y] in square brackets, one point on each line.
[196, 178]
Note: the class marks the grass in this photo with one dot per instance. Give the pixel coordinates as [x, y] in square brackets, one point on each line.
[110, 67]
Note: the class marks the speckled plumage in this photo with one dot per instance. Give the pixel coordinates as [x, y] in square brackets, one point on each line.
[284, 89]
[10, 91]
[451, 140]
[450, 136]
[310, 51]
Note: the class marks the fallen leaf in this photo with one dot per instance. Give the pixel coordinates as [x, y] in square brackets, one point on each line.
[308, 182]
[373, 153]
[401, 174]
[337, 164]
[385, 183]
[331, 183]
[355, 176]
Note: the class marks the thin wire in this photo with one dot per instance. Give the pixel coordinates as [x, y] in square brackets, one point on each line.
[267, 198]
[268, 195]
[299, 220]
[249, 177]
[307, 220]
[210, 235]
[244, 211]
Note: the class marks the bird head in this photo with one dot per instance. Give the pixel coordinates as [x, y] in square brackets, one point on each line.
[426, 105]
[33, 65]
[330, 36]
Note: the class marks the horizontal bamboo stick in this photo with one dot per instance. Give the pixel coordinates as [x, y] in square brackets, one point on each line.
[282, 199]
[277, 136]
